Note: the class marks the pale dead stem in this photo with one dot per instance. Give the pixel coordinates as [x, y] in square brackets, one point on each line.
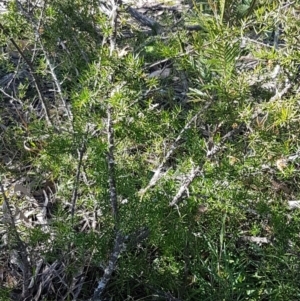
[188, 179]
[185, 184]
[114, 19]
[36, 27]
[34, 76]
[159, 172]
[121, 241]
[110, 129]
[111, 166]
[119, 246]
[211, 152]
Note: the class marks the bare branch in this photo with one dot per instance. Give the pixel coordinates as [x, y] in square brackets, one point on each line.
[146, 21]
[34, 76]
[215, 148]
[111, 165]
[9, 96]
[110, 130]
[119, 247]
[113, 24]
[187, 182]
[47, 57]
[121, 244]
[159, 171]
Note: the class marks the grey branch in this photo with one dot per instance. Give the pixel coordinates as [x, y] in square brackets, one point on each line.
[159, 171]
[146, 21]
[187, 182]
[119, 247]
[114, 19]
[111, 165]
[196, 171]
[48, 61]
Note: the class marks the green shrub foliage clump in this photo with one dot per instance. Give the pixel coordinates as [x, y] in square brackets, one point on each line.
[149, 152]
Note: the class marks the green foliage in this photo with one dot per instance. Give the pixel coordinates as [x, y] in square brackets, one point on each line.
[231, 235]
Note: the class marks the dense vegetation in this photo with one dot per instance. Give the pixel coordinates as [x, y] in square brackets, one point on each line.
[150, 152]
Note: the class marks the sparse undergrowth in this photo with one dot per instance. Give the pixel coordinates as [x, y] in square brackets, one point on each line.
[149, 153]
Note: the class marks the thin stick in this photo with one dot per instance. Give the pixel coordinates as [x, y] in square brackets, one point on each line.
[119, 247]
[159, 170]
[48, 61]
[35, 78]
[196, 171]
[114, 19]
[111, 165]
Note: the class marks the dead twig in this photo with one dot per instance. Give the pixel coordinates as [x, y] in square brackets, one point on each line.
[113, 24]
[118, 248]
[119, 245]
[111, 165]
[110, 129]
[144, 20]
[159, 170]
[211, 152]
[187, 182]
[36, 28]
[120, 240]
[34, 76]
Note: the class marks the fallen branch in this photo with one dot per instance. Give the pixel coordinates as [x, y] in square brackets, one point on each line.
[146, 21]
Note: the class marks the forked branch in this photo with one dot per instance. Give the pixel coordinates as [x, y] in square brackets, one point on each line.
[159, 170]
